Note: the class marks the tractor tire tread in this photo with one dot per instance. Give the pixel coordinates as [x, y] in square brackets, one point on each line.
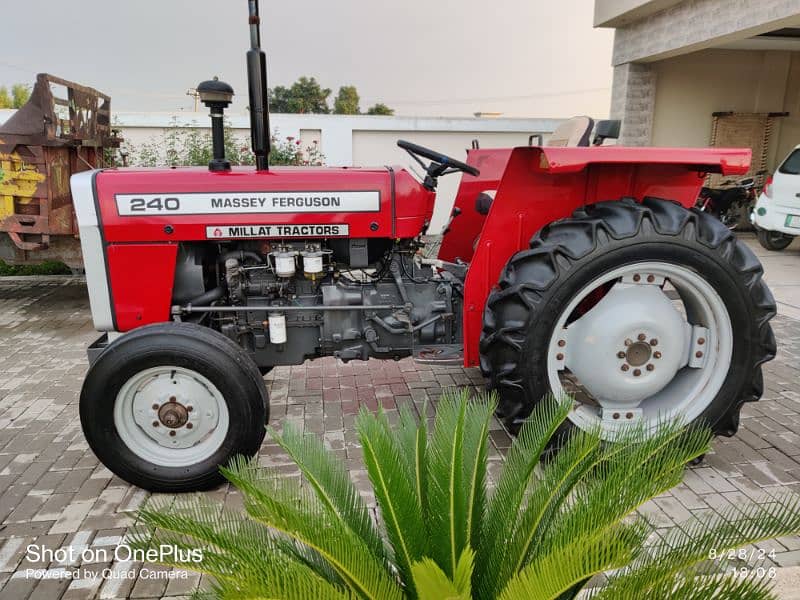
[512, 307]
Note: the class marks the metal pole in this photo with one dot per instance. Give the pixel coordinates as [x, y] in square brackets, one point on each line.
[190, 309]
[257, 82]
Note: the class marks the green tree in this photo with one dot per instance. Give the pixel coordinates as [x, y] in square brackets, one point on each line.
[5, 98]
[380, 109]
[20, 94]
[346, 101]
[304, 96]
[545, 532]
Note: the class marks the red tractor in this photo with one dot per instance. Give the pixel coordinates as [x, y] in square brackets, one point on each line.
[563, 269]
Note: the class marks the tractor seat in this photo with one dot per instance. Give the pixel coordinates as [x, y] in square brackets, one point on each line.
[576, 131]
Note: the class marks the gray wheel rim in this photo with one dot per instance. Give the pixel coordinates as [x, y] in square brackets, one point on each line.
[643, 356]
[171, 416]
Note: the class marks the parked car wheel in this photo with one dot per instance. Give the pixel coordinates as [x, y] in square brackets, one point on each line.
[774, 240]
[631, 309]
[166, 405]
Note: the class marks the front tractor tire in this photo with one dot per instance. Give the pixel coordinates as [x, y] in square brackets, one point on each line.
[163, 407]
[640, 311]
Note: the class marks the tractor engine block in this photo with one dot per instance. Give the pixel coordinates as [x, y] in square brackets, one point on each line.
[302, 299]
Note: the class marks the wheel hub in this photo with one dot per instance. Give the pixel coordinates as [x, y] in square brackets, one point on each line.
[638, 354]
[173, 414]
[628, 347]
[175, 408]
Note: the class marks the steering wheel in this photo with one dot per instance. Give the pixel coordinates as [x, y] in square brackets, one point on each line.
[441, 163]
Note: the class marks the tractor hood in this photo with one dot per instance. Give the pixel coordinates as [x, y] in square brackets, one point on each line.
[181, 204]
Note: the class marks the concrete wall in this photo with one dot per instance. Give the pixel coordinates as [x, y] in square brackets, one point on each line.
[650, 33]
[693, 25]
[615, 13]
[690, 88]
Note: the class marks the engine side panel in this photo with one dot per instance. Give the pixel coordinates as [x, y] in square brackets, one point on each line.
[141, 278]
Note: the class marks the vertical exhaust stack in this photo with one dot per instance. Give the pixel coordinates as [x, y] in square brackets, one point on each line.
[257, 81]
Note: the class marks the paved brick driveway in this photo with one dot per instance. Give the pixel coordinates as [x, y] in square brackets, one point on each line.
[53, 492]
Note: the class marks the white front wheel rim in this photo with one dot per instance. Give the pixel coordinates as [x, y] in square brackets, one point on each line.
[643, 360]
[171, 416]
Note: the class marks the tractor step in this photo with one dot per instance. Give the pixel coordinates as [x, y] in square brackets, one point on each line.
[440, 354]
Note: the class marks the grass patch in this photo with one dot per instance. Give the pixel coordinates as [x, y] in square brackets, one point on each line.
[49, 267]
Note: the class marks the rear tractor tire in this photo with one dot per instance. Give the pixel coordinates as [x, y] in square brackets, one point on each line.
[631, 309]
[774, 240]
[166, 405]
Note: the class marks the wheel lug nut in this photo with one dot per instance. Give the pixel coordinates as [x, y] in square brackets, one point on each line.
[620, 354]
[616, 415]
[189, 408]
[650, 367]
[656, 354]
[172, 433]
[654, 342]
[561, 343]
[156, 407]
[155, 423]
[642, 337]
[650, 279]
[637, 372]
[189, 426]
[698, 354]
[628, 342]
[637, 277]
[559, 356]
[701, 341]
[629, 415]
[173, 399]
[625, 367]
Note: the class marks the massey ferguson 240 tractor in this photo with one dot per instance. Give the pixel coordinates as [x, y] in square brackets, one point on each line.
[579, 269]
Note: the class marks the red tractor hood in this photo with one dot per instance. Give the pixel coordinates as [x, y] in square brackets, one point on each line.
[180, 204]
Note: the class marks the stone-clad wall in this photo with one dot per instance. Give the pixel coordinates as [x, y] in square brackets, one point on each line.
[686, 27]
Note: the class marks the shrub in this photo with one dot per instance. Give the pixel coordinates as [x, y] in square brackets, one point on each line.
[544, 532]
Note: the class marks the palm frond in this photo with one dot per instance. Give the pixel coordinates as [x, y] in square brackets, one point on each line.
[562, 569]
[238, 553]
[433, 584]
[395, 491]
[637, 467]
[412, 437]
[476, 436]
[332, 484]
[503, 506]
[302, 518]
[446, 514]
[559, 479]
[288, 583]
[684, 549]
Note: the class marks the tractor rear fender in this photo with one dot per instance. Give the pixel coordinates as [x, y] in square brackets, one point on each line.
[539, 185]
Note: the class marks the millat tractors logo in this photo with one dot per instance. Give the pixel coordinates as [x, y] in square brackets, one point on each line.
[276, 231]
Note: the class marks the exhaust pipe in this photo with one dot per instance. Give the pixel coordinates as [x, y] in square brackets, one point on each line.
[257, 81]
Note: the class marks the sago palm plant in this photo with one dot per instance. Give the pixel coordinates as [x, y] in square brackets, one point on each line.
[544, 530]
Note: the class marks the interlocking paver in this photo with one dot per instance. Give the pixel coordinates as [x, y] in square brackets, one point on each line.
[53, 490]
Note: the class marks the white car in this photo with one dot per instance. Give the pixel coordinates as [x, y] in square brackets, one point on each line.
[777, 211]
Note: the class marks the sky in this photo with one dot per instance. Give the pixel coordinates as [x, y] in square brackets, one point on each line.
[522, 58]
